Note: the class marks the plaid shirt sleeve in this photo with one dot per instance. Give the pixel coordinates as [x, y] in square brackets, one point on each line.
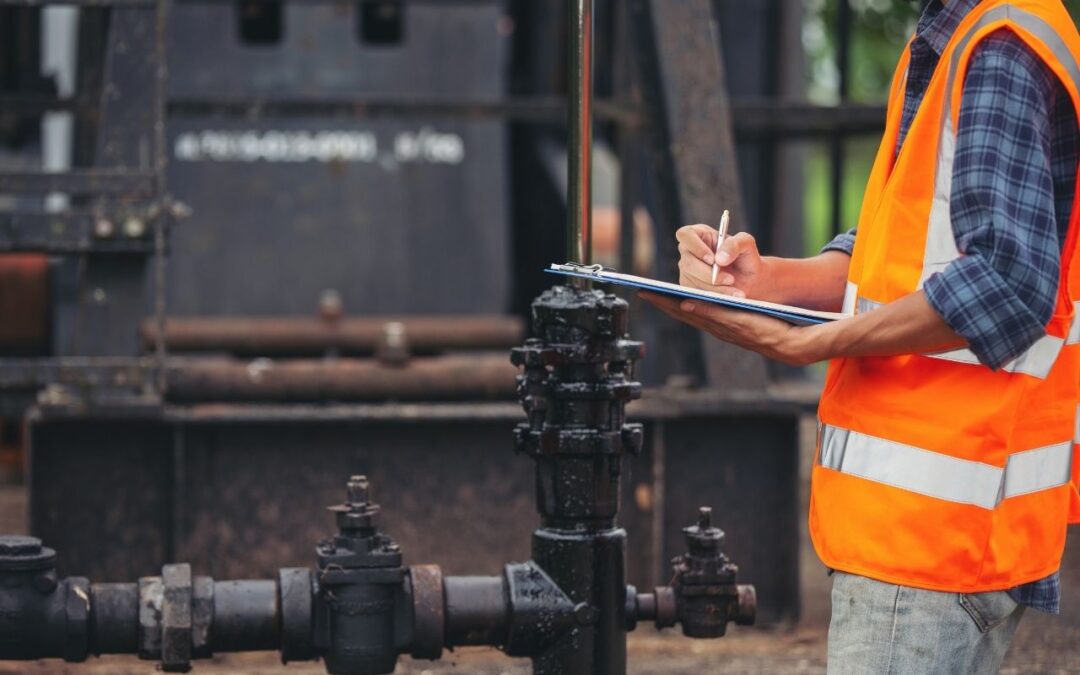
[845, 243]
[1000, 294]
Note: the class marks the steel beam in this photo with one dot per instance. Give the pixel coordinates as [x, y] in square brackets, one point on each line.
[80, 181]
[688, 120]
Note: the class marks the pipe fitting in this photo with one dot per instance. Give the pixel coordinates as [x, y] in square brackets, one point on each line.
[706, 595]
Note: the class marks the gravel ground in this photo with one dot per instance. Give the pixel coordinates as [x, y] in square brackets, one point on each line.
[1044, 644]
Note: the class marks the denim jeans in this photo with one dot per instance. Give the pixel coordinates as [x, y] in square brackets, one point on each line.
[897, 630]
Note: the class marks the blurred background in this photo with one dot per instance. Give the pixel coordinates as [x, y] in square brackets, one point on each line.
[255, 246]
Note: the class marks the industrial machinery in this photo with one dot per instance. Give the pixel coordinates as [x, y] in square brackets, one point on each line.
[568, 608]
[228, 319]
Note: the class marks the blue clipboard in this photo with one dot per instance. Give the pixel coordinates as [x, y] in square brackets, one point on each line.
[793, 315]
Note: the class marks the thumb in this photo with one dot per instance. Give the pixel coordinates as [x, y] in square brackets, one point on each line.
[735, 247]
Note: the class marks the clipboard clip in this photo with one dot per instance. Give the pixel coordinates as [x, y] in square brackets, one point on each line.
[593, 270]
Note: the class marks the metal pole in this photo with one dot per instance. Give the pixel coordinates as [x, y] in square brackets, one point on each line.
[579, 86]
[836, 150]
[160, 154]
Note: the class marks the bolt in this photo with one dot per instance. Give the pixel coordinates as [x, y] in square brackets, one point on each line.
[103, 228]
[394, 347]
[358, 490]
[180, 210]
[704, 518]
[134, 227]
[331, 306]
[54, 395]
[585, 614]
[395, 334]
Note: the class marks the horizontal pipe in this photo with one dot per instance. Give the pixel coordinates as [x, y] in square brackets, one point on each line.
[268, 336]
[477, 611]
[114, 618]
[246, 616]
[425, 379]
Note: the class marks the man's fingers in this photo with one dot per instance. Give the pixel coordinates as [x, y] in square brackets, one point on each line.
[735, 246]
[702, 273]
[673, 307]
[700, 315]
[697, 240]
[728, 289]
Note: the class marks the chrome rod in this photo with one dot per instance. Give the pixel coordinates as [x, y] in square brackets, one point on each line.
[579, 124]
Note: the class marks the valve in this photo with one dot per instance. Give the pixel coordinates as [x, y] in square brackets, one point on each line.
[706, 595]
[359, 578]
[33, 596]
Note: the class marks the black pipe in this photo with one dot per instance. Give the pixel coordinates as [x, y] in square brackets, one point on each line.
[246, 616]
[114, 618]
[477, 611]
[577, 436]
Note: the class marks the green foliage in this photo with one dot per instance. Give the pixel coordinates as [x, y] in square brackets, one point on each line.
[881, 28]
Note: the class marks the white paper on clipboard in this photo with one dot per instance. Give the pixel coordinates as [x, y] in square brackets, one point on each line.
[795, 315]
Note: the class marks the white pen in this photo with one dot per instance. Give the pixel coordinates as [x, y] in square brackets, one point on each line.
[721, 232]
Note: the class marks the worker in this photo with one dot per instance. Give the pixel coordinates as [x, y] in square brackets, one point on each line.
[940, 489]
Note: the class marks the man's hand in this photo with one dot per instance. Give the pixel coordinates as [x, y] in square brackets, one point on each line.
[772, 338]
[907, 326]
[742, 270]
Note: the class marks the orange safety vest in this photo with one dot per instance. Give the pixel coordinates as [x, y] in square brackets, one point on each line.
[933, 470]
[1074, 510]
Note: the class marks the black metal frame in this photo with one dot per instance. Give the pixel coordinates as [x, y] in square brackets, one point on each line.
[121, 210]
[91, 231]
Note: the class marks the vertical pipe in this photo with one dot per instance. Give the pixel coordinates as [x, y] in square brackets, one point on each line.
[659, 562]
[579, 86]
[160, 164]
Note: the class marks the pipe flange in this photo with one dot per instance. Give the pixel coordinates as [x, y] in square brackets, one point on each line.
[295, 591]
[202, 617]
[77, 625]
[176, 633]
[150, 597]
[747, 605]
[429, 611]
[667, 609]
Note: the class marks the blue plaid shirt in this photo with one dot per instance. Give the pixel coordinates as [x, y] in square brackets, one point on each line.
[1017, 147]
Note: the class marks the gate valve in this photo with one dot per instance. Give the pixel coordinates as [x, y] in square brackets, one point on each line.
[359, 578]
[706, 594]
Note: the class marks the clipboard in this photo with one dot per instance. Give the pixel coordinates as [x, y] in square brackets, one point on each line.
[793, 315]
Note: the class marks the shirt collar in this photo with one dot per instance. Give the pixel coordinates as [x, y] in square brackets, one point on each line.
[939, 22]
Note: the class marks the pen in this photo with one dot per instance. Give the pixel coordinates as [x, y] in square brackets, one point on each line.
[721, 232]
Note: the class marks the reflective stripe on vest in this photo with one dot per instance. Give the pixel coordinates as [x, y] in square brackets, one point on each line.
[942, 476]
[1076, 433]
[1037, 361]
[851, 291]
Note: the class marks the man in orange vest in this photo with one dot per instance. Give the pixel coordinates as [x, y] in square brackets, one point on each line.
[942, 485]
